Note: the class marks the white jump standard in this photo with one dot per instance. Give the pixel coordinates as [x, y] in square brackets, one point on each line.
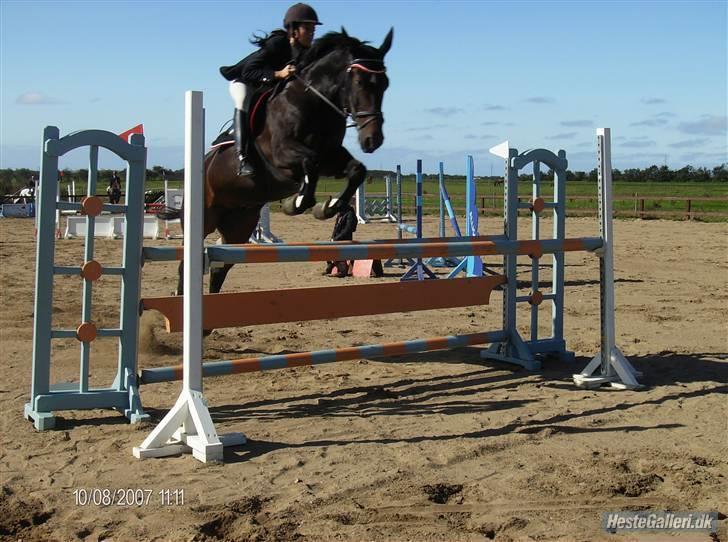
[188, 426]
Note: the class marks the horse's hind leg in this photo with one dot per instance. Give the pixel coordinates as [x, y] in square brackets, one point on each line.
[235, 226]
[342, 165]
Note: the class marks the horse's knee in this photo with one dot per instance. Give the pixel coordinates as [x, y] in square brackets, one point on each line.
[356, 172]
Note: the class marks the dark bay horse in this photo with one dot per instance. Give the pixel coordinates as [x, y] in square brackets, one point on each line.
[305, 123]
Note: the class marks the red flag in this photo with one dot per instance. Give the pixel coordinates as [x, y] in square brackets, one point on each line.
[138, 129]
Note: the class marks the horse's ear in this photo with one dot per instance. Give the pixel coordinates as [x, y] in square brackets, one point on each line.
[387, 43]
[343, 31]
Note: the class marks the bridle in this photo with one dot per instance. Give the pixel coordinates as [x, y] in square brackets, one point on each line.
[373, 66]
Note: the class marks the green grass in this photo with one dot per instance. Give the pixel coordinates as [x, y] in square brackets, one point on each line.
[493, 195]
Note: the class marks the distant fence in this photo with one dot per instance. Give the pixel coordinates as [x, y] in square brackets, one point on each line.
[635, 206]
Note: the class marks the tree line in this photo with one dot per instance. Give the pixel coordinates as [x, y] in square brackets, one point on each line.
[652, 174]
[12, 180]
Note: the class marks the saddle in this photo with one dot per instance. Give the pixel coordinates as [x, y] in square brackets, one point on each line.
[256, 105]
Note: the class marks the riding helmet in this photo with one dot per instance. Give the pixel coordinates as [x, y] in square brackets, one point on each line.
[300, 13]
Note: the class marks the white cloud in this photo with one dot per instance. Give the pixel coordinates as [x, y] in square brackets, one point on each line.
[688, 143]
[37, 98]
[444, 111]
[577, 123]
[650, 122]
[540, 100]
[566, 135]
[706, 125]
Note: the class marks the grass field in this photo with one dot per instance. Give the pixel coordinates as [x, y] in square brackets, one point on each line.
[626, 195]
[581, 196]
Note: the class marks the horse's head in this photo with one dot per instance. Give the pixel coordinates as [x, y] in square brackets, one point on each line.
[361, 81]
[367, 82]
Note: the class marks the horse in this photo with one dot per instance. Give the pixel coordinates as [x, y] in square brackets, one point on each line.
[338, 77]
[114, 193]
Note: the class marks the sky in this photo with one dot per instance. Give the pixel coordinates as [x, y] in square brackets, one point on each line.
[464, 76]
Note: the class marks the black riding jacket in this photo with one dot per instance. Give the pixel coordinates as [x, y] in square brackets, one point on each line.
[257, 69]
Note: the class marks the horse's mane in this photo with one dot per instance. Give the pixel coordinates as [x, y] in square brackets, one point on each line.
[336, 40]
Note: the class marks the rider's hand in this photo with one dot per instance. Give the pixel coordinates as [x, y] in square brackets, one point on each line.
[285, 72]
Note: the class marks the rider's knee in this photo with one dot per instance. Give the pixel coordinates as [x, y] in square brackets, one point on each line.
[238, 92]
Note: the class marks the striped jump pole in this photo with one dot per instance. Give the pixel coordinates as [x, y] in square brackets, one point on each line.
[421, 248]
[320, 357]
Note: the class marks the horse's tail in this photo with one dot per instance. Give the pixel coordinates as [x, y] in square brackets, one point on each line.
[169, 213]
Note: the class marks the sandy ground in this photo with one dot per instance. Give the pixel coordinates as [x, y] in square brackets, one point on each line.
[438, 446]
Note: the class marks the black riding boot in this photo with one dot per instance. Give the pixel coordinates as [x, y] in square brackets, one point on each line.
[241, 142]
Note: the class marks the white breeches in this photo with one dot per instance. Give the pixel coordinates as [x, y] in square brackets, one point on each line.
[237, 92]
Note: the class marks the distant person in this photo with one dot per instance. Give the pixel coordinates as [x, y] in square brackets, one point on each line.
[114, 189]
[27, 194]
[274, 61]
[344, 229]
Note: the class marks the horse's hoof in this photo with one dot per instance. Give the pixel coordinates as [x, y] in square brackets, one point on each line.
[289, 206]
[325, 210]
[296, 205]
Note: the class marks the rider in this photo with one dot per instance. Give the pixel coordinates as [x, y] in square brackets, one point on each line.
[114, 188]
[273, 61]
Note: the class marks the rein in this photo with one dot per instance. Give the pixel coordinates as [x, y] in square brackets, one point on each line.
[356, 64]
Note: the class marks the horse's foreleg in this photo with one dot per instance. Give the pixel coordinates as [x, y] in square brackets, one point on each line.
[181, 273]
[343, 165]
[180, 279]
[217, 277]
[306, 197]
[300, 160]
[210, 218]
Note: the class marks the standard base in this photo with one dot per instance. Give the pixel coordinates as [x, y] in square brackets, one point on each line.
[419, 271]
[619, 373]
[512, 350]
[191, 444]
[41, 420]
[187, 428]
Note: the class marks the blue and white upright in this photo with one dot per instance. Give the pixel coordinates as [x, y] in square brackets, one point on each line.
[515, 349]
[122, 394]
